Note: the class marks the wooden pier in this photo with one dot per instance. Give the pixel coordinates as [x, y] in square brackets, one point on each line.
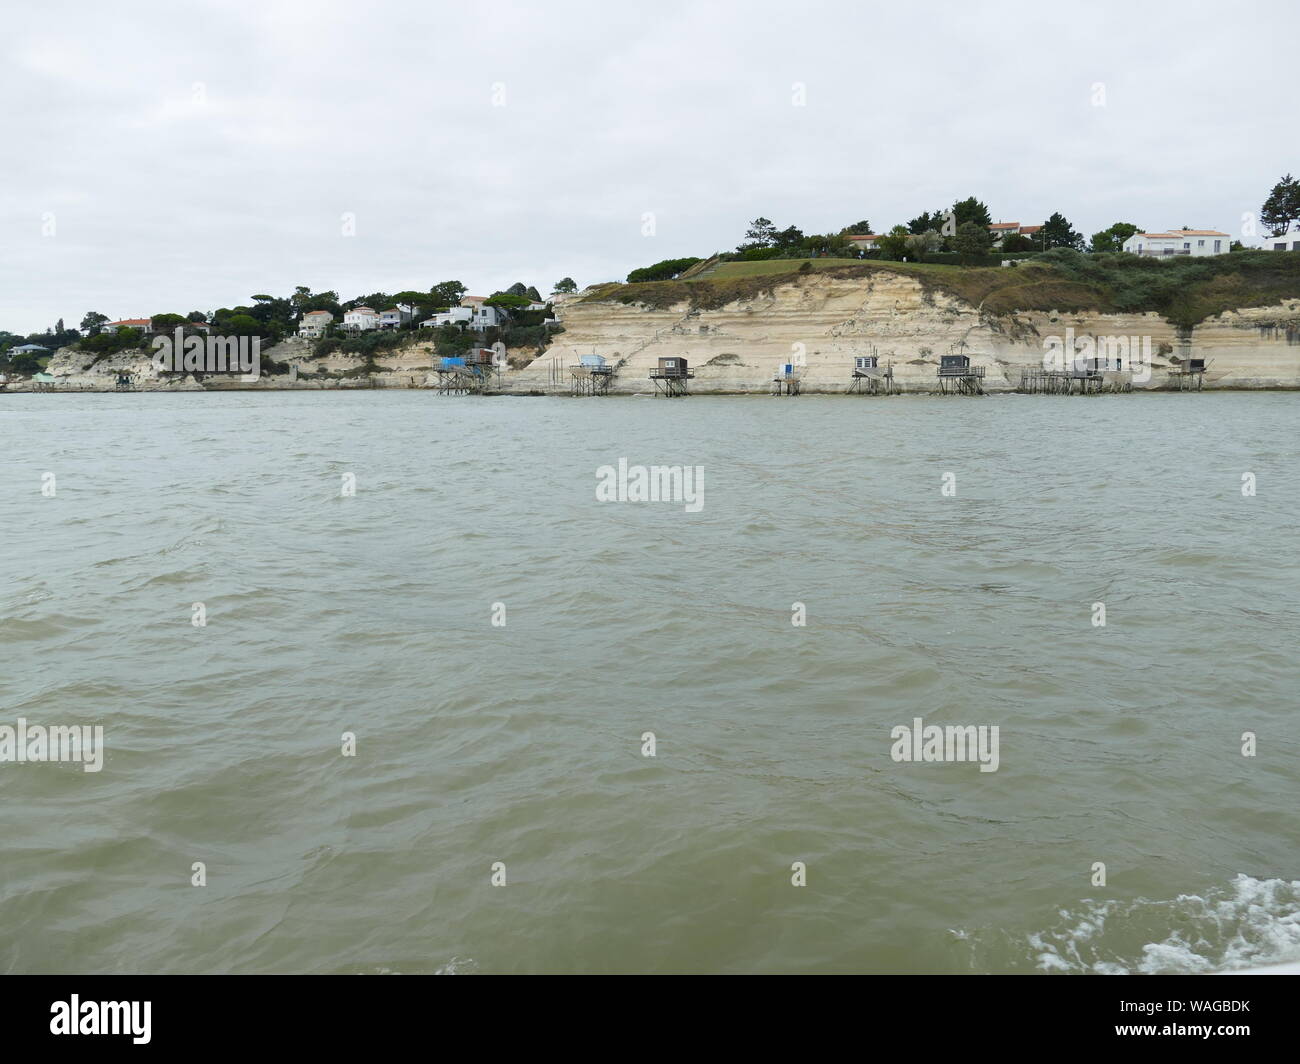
[1189, 376]
[590, 380]
[455, 380]
[956, 375]
[785, 384]
[869, 379]
[472, 373]
[670, 378]
[1034, 381]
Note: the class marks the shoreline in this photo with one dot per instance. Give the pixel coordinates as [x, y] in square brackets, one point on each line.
[533, 393]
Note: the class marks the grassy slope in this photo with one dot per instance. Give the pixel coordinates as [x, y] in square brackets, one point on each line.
[1185, 291]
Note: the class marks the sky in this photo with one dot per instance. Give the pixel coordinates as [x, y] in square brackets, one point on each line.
[170, 157]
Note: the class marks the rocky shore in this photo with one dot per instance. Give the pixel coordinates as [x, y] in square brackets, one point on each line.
[819, 321]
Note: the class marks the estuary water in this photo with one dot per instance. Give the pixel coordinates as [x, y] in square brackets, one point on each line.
[230, 583]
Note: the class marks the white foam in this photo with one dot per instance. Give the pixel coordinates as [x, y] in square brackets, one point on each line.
[1252, 924]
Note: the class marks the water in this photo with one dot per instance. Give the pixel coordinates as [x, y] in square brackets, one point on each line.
[522, 744]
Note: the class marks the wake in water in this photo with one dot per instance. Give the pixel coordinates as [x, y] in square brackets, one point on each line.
[1251, 923]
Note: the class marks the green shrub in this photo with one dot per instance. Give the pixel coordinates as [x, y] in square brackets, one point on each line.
[666, 270]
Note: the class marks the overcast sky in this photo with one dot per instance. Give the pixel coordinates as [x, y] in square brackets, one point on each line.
[183, 156]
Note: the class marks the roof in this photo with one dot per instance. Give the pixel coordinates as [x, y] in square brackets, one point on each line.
[309, 313]
[864, 236]
[130, 321]
[472, 299]
[1178, 234]
[1005, 225]
[30, 347]
[360, 310]
[1030, 228]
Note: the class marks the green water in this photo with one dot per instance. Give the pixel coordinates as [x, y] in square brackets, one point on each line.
[522, 744]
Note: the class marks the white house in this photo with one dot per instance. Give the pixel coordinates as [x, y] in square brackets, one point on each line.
[473, 312]
[1195, 242]
[359, 319]
[142, 324]
[313, 323]
[486, 317]
[483, 317]
[454, 316]
[1285, 242]
[394, 317]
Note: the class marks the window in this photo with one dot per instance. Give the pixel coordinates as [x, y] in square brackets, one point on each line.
[1187, 247]
[1200, 243]
[1216, 246]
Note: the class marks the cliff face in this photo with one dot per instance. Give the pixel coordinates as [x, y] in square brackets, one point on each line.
[820, 321]
[829, 319]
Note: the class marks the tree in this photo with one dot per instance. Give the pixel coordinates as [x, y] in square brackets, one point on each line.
[303, 300]
[447, 294]
[93, 322]
[1058, 233]
[533, 294]
[760, 234]
[375, 301]
[893, 245]
[971, 210]
[826, 244]
[1282, 206]
[789, 237]
[1112, 239]
[972, 240]
[242, 325]
[666, 270]
[1016, 242]
[26, 363]
[926, 222]
[566, 284]
[921, 244]
[862, 228]
[196, 316]
[415, 303]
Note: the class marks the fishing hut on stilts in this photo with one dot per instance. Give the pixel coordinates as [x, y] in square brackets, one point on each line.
[670, 378]
[471, 373]
[1188, 375]
[870, 379]
[786, 381]
[591, 376]
[956, 375]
